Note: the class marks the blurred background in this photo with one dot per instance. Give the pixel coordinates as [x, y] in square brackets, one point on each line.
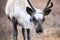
[51, 26]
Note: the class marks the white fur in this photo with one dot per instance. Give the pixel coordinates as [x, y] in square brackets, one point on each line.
[17, 8]
[39, 14]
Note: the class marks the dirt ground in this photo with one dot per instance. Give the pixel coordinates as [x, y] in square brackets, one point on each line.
[51, 26]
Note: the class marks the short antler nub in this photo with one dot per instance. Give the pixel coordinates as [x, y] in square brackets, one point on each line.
[48, 4]
[51, 5]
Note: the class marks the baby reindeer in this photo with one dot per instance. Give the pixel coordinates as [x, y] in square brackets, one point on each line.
[21, 12]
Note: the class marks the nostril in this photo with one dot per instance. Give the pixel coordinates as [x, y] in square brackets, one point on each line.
[37, 31]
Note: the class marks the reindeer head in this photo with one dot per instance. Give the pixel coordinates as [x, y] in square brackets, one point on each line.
[38, 15]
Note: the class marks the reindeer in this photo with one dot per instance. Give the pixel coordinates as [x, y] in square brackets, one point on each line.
[21, 12]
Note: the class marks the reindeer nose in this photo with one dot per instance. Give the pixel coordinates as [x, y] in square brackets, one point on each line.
[38, 30]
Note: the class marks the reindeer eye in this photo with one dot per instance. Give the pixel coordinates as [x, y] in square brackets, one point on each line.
[34, 19]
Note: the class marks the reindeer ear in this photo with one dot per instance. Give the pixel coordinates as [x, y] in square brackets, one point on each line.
[29, 10]
[47, 11]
